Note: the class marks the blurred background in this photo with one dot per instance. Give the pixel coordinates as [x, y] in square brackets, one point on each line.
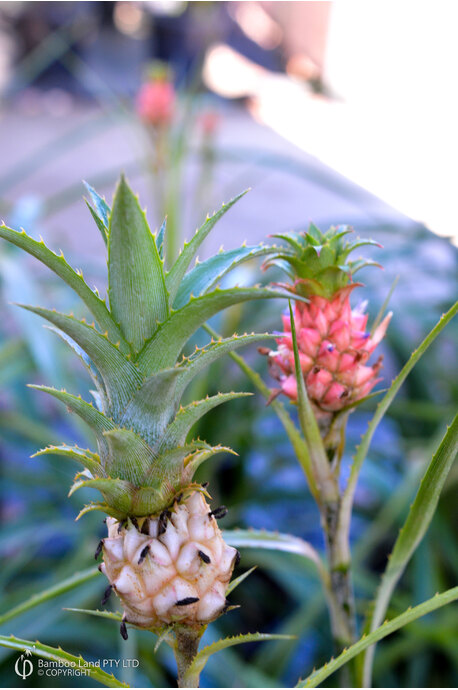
[329, 112]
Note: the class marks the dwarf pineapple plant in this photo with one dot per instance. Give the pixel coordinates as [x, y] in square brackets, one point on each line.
[322, 364]
[164, 555]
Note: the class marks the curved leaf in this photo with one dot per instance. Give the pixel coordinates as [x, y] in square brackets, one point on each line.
[57, 654]
[85, 457]
[101, 227]
[155, 404]
[175, 275]
[111, 615]
[86, 360]
[202, 455]
[164, 348]
[101, 207]
[74, 279]
[186, 417]
[207, 274]
[60, 588]
[418, 521]
[294, 435]
[160, 238]
[116, 492]
[120, 376]
[138, 298]
[274, 541]
[88, 413]
[202, 358]
[201, 658]
[317, 677]
[382, 407]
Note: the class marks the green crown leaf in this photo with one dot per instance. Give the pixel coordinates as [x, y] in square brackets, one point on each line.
[317, 261]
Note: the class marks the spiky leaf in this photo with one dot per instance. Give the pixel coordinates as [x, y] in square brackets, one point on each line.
[85, 457]
[137, 293]
[74, 279]
[101, 207]
[317, 261]
[164, 348]
[317, 677]
[88, 364]
[179, 268]
[101, 227]
[161, 238]
[207, 274]
[95, 419]
[415, 527]
[178, 430]
[120, 376]
[56, 590]
[201, 658]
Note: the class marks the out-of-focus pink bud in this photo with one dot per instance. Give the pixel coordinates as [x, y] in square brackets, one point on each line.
[156, 102]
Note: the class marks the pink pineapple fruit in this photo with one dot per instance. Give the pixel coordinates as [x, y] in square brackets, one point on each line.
[334, 345]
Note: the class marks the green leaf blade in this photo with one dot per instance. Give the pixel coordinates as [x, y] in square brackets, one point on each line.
[179, 268]
[75, 280]
[274, 541]
[382, 407]
[164, 348]
[138, 297]
[207, 274]
[121, 378]
[186, 417]
[413, 530]
[90, 461]
[98, 422]
[130, 457]
[56, 590]
[57, 654]
[320, 675]
[102, 209]
[201, 658]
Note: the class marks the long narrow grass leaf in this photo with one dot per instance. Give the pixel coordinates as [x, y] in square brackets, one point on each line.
[274, 541]
[56, 654]
[413, 530]
[327, 486]
[56, 590]
[383, 406]
[317, 677]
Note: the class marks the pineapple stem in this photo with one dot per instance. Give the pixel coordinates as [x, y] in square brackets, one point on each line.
[340, 597]
[186, 647]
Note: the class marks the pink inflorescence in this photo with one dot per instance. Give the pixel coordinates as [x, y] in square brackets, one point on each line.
[334, 348]
[156, 102]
